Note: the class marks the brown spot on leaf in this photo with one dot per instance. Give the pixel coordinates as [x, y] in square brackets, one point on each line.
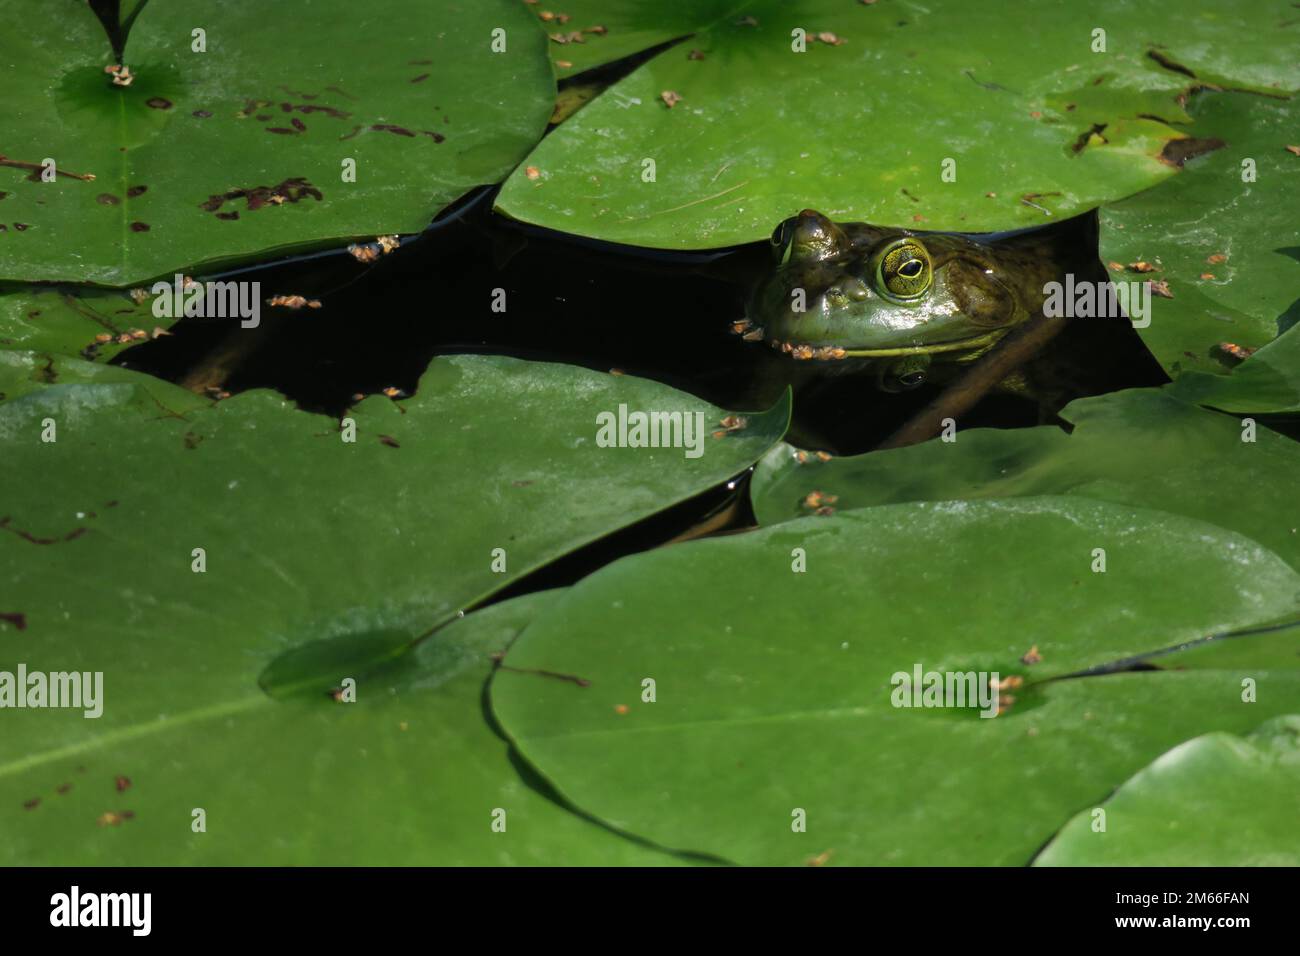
[63, 788]
[396, 130]
[309, 108]
[228, 216]
[390, 441]
[158, 103]
[1179, 151]
[22, 226]
[122, 784]
[421, 78]
[16, 618]
[107, 199]
[201, 114]
[136, 191]
[139, 226]
[1085, 138]
[32, 804]
[291, 190]
[298, 124]
[1169, 64]
[281, 130]
[33, 539]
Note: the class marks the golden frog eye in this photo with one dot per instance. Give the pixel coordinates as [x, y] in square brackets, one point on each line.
[902, 270]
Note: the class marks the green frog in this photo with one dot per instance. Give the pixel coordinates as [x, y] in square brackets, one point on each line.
[915, 306]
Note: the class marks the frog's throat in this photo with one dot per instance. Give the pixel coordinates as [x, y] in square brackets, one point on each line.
[957, 345]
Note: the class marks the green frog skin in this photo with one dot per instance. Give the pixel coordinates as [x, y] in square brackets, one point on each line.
[908, 303]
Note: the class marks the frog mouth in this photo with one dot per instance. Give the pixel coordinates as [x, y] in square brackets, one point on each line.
[955, 345]
[755, 333]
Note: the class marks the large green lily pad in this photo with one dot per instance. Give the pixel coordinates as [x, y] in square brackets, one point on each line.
[1226, 248]
[1140, 447]
[322, 559]
[773, 689]
[85, 321]
[1039, 125]
[49, 380]
[238, 151]
[411, 773]
[1187, 808]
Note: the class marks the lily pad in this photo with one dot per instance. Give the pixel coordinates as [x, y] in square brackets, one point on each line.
[1221, 236]
[1218, 800]
[57, 382]
[411, 773]
[237, 142]
[92, 323]
[774, 691]
[199, 558]
[1266, 382]
[747, 130]
[1140, 447]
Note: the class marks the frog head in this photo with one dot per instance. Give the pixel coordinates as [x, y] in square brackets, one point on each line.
[892, 296]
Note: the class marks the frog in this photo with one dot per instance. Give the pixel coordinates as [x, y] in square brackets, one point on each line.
[914, 306]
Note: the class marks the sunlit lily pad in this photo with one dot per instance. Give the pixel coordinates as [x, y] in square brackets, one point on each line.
[92, 323]
[774, 694]
[492, 470]
[244, 146]
[589, 33]
[53, 378]
[1140, 447]
[1221, 238]
[411, 773]
[1268, 381]
[887, 103]
[1218, 800]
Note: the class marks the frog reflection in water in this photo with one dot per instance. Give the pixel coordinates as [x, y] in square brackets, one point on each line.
[916, 306]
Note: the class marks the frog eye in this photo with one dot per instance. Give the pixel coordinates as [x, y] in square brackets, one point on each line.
[902, 270]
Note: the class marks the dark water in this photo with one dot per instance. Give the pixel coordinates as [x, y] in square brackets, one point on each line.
[664, 316]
